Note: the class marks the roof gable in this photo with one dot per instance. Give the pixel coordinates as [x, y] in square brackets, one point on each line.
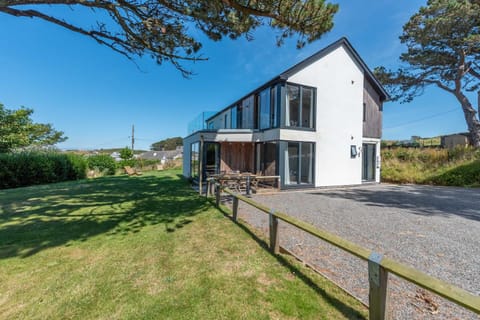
[313, 58]
[332, 47]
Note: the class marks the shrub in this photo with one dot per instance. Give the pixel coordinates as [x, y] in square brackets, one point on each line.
[103, 163]
[32, 168]
[464, 175]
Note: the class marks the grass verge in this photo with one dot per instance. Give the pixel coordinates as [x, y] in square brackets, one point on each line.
[456, 167]
[145, 247]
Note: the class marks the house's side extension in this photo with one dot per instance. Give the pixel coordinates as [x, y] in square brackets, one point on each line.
[317, 124]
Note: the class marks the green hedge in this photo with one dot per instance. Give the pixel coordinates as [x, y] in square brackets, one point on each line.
[31, 168]
[103, 163]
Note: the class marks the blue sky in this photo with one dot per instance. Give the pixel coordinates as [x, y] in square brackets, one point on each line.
[95, 95]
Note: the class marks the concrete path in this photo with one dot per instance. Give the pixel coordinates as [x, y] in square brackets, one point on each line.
[434, 229]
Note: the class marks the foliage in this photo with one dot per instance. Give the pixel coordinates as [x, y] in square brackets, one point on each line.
[163, 29]
[146, 247]
[430, 166]
[103, 163]
[462, 175]
[32, 168]
[167, 144]
[443, 49]
[124, 163]
[17, 130]
[126, 153]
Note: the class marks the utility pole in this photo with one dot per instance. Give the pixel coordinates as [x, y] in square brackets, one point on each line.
[133, 137]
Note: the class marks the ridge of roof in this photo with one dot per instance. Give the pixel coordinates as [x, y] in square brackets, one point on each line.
[313, 58]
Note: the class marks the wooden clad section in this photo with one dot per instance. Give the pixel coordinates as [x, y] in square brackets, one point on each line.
[236, 156]
[372, 124]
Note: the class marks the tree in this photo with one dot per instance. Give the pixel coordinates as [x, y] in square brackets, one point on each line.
[443, 50]
[160, 28]
[126, 153]
[17, 130]
[167, 144]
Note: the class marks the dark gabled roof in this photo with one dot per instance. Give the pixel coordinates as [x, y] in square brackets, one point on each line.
[313, 58]
[320, 54]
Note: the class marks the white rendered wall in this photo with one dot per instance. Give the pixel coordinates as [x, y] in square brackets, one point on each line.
[339, 83]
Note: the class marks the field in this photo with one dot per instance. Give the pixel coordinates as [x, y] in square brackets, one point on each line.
[146, 247]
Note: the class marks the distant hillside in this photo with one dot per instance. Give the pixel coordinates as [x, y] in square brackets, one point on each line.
[111, 150]
[415, 141]
[167, 144]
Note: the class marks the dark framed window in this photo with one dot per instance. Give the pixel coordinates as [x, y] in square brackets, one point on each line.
[364, 112]
[239, 117]
[299, 106]
[233, 117]
[194, 157]
[211, 158]
[298, 163]
[266, 158]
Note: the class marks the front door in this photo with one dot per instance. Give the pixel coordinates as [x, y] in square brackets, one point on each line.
[369, 156]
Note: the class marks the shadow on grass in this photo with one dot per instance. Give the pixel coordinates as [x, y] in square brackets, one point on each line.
[346, 310]
[36, 218]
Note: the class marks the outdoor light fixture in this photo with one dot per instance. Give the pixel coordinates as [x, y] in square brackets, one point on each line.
[353, 151]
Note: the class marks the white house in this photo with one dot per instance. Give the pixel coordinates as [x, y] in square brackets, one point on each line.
[319, 123]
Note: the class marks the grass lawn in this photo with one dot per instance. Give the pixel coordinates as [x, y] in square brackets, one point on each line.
[145, 247]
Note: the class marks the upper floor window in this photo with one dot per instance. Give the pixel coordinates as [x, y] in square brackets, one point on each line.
[299, 108]
[267, 108]
[233, 117]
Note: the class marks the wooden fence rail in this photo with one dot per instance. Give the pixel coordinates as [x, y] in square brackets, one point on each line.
[378, 265]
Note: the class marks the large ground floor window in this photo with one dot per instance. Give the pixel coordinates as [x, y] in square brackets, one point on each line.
[266, 158]
[194, 163]
[212, 158]
[298, 158]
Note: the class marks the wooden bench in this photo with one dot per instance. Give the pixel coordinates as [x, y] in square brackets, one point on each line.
[131, 172]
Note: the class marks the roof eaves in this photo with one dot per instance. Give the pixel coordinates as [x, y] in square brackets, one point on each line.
[308, 61]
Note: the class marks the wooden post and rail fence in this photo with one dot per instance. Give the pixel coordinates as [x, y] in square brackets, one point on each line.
[379, 266]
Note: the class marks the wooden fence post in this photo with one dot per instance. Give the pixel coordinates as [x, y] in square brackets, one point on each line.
[235, 208]
[273, 226]
[378, 279]
[217, 195]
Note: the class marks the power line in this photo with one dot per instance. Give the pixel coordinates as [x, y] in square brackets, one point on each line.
[422, 119]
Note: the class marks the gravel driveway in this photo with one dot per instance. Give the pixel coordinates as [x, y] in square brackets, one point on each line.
[434, 229]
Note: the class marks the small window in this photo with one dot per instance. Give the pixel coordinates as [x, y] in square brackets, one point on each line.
[364, 112]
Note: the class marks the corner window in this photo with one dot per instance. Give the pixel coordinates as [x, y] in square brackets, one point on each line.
[300, 106]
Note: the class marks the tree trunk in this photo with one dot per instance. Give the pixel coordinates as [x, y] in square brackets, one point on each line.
[471, 118]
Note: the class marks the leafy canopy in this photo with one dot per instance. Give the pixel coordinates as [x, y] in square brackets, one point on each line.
[126, 153]
[167, 144]
[17, 130]
[163, 29]
[443, 49]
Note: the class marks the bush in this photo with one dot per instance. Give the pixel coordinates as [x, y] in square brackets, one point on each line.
[464, 175]
[32, 168]
[103, 163]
